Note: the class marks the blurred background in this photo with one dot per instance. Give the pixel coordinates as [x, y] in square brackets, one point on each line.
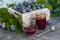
[53, 5]
[5, 2]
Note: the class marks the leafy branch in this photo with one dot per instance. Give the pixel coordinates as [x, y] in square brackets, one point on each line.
[10, 20]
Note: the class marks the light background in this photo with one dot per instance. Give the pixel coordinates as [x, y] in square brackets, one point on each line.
[3, 3]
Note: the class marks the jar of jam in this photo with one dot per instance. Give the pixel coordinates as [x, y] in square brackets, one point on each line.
[41, 20]
[32, 28]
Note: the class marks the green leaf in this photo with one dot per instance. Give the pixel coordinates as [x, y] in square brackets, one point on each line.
[33, 3]
[57, 10]
[4, 14]
[41, 1]
[58, 6]
[54, 7]
[19, 18]
[11, 5]
[54, 14]
[48, 6]
[52, 1]
[8, 27]
[10, 20]
[18, 31]
[13, 21]
[58, 1]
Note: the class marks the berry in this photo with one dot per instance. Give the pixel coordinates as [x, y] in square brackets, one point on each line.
[3, 25]
[23, 6]
[27, 9]
[14, 8]
[17, 7]
[19, 10]
[48, 22]
[34, 8]
[29, 6]
[37, 6]
[25, 3]
[20, 4]
[31, 9]
[12, 27]
[23, 11]
[42, 6]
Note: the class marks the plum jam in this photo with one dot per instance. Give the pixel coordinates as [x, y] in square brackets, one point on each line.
[41, 21]
[30, 29]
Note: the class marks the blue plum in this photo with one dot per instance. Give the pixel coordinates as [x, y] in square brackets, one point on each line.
[12, 27]
[42, 6]
[34, 8]
[48, 22]
[3, 25]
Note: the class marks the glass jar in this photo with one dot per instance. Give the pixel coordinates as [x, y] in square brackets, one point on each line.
[41, 20]
[32, 28]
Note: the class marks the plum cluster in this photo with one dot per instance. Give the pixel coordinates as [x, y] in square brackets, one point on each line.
[27, 7]
[3, 26]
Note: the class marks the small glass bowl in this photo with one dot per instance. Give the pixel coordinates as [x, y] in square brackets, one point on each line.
[30, 29]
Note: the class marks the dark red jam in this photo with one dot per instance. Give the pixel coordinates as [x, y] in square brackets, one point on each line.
[41, 21]
[30, 30]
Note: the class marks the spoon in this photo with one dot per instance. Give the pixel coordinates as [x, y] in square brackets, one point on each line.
[52, 29]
